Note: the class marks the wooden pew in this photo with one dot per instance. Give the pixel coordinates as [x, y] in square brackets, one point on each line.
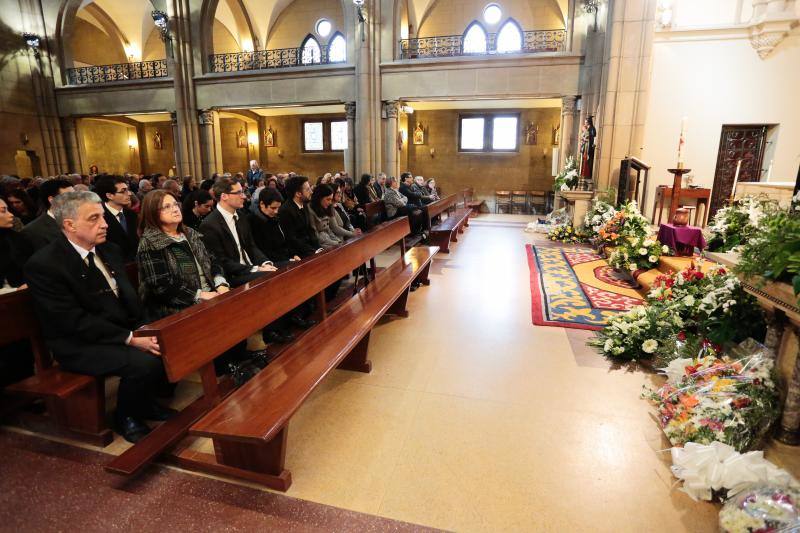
[249, 429]
[375, 213]
[447, 231]
[470, 203]
[191, 339]
[75, 403]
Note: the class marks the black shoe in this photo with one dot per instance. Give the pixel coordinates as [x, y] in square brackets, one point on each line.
[277, 336]
[261, 359]
[130, 429]
[241, 373]
[302, 323]
[159, 413]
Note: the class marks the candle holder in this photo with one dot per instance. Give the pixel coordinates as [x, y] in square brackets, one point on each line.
[677, 185]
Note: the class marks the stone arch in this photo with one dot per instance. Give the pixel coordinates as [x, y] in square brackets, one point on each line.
[244, 25]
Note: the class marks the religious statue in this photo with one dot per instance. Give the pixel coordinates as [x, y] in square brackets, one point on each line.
[158, 142]
[241, 139]
[556, 134]
[419, 134]
[269, 138]
[399, 141]
[531, 133]
[588, 134]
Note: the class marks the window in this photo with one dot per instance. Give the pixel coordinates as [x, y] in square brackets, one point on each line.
[324, 28]
[509, 38]
[310, 51]
[474, 41]
[489, 133]
[324, 135]
[492, 14]
[337, 49]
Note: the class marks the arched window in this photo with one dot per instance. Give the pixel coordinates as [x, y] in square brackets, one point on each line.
[509, 38]
[474, 40]
[310, 51]
[337, 49]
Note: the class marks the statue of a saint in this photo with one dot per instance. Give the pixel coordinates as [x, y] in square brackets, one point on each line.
[241, 139]
[158, 142]
[588, 134]
[531, 133]
[269, 138]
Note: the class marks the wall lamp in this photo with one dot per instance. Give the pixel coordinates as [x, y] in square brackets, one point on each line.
[161, 21]
[32, 42]
[407, 109]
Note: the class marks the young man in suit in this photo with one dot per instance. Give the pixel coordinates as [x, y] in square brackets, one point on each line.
[293, 216]
[122, 222]
[88, 310]
[44, 229]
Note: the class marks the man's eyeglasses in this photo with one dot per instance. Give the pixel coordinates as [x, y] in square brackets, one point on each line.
[236, 193]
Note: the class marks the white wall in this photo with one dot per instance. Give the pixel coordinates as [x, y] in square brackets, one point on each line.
[716, 82]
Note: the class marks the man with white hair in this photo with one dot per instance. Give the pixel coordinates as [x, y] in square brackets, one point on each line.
[253, 175]
[88, 310]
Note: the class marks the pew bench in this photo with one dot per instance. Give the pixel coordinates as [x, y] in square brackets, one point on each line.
[249, 428]
[447, 231]
[475, 206]
[75, 403]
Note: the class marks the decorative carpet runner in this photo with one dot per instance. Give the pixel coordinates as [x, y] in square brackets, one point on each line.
[573, 287]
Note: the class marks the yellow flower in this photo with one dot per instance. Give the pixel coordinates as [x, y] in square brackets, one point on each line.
[723, 383]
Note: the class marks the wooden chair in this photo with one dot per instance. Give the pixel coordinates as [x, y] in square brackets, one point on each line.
[519, 202]
[502, 200]
[537, 199]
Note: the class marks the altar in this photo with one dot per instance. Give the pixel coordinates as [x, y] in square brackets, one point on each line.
[578, 204]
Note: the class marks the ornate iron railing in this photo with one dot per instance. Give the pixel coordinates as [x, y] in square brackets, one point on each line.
[453, 45]
[142, 70]
[267, 59]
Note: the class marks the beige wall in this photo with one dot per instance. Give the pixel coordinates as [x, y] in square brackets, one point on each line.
[224, 42]
[158, 160]
[728, 84]
[528, 169]
[105, 144]
[92, 46]
[287, 155]
[451, 17]
[154, 47]
[299, 19]
[234, 159]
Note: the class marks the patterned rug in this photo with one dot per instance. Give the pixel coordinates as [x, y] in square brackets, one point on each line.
[573, 287]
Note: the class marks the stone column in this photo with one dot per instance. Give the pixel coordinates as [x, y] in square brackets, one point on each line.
[173, 119]
[72, 145]
[568, 141]
[208, 142]
[350, 153]
[789, 431]
[391, 110]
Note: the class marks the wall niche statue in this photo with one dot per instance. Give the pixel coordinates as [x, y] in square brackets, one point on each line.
[158, 141]
[531, 134]
[241, 138]
[269, 137]
[419, 134]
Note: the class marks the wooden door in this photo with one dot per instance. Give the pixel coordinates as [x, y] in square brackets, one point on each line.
[737, 142]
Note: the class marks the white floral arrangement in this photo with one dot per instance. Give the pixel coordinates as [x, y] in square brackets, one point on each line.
[640, 333]
[598, 216]
[734, 225]
[637, 253]
[568, 178]
[764, 509]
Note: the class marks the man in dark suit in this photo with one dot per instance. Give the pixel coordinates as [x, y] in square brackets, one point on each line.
[227, 235]
[44, 229]
[293, 216]
[380, 184]
[88, 310]
[113, 190]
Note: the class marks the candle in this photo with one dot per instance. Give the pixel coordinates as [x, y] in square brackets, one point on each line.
[682, 142]
[736, 178]
[769, 169]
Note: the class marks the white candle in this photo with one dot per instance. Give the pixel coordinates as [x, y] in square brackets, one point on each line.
[769, 169]
[682, 140]
[736, 178]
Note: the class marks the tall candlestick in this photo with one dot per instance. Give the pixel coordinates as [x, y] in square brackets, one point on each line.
[682, 142]
[769, 170]
[736, 179]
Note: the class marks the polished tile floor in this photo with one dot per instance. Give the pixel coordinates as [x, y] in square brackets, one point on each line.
[473, 419]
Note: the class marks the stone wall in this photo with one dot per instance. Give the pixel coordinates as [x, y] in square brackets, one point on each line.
[234, 158]
[91, 46]
[224, 42]
[299, 19]
[158, 160]
[154, 47]
[288, 155]
[105, 144]
[451, 17]
[528, 169]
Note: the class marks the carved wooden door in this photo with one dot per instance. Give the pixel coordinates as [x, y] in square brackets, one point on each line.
[737, 142]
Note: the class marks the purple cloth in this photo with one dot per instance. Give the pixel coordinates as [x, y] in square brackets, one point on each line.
[681, 238]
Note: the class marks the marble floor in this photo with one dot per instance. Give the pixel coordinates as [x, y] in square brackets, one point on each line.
[473, 419]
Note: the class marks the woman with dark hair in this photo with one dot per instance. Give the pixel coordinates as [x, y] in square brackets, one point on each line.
[433, 192]
[93, 170]
[175, 270]
[21, 205]
[324, 180]
[342, 226]
[267, 232]
[189, 186]
[321, 216]
[365, 190]
[206, 185]
[195, 207]
[12, 251]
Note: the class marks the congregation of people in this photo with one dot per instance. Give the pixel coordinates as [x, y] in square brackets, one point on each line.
[72, 239]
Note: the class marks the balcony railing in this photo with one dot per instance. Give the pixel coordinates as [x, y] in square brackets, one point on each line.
[453, 45]
[142, 70]
[267, 59]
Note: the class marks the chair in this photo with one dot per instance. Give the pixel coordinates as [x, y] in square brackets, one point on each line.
[538, 199]
[519, 202]
[502, 199]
